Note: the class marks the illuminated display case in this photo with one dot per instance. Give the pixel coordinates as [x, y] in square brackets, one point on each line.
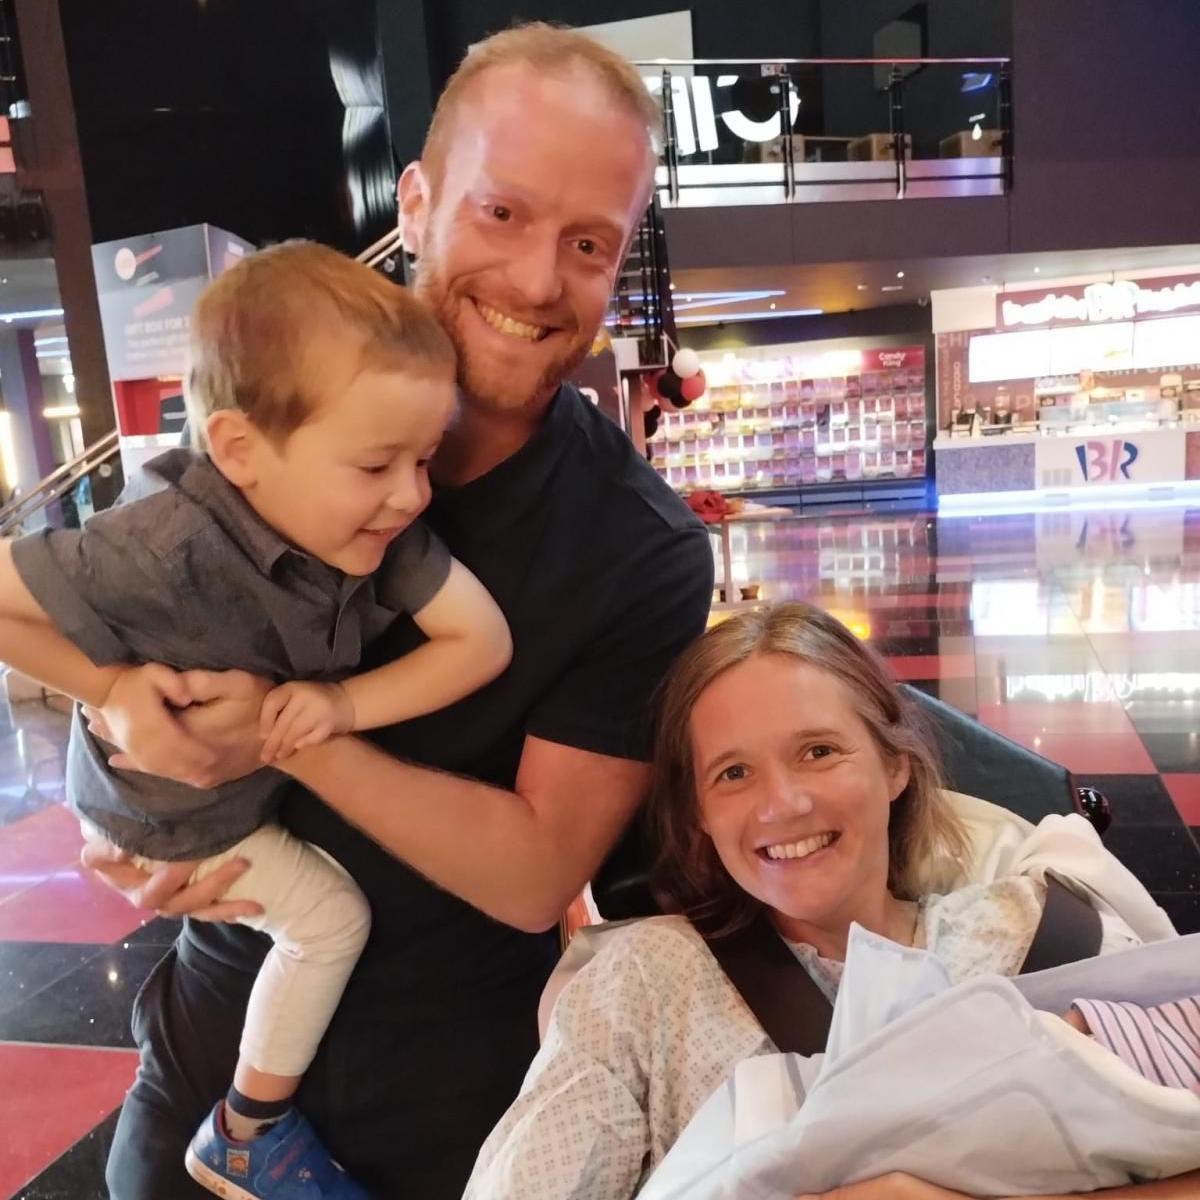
[792, 421]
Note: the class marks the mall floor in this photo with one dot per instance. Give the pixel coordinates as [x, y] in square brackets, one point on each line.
[1074, 633]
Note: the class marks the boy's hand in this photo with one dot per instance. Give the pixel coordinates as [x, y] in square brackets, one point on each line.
[142, 715]
[296, 715]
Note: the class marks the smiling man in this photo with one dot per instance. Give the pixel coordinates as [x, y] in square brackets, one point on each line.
[536, 172]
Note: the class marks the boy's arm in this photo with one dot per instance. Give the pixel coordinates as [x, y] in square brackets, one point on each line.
[469, 645]
[133, 699]
[31, 644]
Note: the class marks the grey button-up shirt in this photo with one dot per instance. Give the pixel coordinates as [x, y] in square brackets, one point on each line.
[189, 575]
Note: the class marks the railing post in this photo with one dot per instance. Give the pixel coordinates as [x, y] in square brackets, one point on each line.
[785, 125]
[896, 114]
[670, 147]
[1006, 129]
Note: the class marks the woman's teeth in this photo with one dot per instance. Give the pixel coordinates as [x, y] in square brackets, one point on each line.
[801, 849]
[506, 324]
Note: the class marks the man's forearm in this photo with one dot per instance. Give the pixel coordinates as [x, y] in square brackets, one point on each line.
[1180, 1187]
[480, 842]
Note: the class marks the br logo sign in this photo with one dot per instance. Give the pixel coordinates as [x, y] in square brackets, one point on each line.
[1103, 460]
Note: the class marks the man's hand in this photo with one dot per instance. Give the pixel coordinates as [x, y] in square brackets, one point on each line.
[165, 890]
[142, 715]
[223, 720]
[296, 715]
[895, 1186]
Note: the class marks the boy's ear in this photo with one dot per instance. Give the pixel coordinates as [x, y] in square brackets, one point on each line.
[233, 445]
[412, 204]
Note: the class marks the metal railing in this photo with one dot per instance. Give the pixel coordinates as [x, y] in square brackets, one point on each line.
[56, 485]
[713, 157]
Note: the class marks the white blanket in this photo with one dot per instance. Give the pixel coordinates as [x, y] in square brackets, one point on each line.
[969, 1087]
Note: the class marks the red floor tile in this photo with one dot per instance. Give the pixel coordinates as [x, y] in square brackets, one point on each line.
[51, 1097]
[37, 847]
[71, 906]
[1185, 791]
[1057, 717]
[1083, 753]
[932, 666]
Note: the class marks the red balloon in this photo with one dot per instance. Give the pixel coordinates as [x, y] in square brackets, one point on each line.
[693, 387]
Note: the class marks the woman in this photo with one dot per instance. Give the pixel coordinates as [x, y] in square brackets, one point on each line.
[792, 778]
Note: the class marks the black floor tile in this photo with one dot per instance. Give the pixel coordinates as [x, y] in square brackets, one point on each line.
[1135, 799]
[1171, 751]
[88, 1007]
[161, 931]
[28, 967]
[79, 1173]
[1183, 908]
[1164, 859]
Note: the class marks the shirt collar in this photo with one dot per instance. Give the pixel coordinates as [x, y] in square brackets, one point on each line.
[194, 474]
[500, 496]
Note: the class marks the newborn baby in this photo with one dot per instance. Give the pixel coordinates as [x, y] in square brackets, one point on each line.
[1161, 1043]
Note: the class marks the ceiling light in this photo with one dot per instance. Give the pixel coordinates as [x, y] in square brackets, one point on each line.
[771, 306]
[1037, 270]
[8, 318]
[862, 287]
[892, 287]
[976, 132]
[899, 274]
[672, 287]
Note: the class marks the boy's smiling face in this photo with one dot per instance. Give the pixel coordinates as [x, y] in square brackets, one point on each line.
[354, 475]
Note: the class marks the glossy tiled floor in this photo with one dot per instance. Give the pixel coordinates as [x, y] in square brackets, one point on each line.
[1077, 635]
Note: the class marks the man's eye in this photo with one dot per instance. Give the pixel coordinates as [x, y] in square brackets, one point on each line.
[374, 468]
[587, 246]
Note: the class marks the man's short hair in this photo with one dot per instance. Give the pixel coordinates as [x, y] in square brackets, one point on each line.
[253, 323]
[549, 49]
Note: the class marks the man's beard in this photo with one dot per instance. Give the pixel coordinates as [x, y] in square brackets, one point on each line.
[479, 377]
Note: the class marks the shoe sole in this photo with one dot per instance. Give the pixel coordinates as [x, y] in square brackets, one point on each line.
[206, 1177]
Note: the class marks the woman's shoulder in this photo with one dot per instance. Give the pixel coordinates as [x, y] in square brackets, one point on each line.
[984, 927]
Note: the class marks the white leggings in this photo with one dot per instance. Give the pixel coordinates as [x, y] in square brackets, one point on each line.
[318, 920]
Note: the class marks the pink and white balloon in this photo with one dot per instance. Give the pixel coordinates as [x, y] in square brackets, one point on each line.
[686, 363]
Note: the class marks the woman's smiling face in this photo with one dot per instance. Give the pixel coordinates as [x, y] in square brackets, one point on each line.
[794, 792]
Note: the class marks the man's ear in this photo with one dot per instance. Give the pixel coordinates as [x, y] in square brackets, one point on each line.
[412, 206]
[233, 444]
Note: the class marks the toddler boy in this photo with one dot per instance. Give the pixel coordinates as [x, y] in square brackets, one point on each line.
[320, 392]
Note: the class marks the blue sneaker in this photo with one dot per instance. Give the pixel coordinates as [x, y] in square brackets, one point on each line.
[287, 1162]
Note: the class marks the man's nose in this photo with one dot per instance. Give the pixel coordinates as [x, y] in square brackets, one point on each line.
[534, 272]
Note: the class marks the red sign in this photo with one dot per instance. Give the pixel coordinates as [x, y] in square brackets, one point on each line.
[894, 360]
[1097, 303]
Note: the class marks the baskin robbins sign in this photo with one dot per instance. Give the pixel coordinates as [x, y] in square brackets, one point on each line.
[1097, 303]
[1155, 456]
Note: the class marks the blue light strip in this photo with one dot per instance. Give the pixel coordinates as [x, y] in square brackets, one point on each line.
[1080, 499]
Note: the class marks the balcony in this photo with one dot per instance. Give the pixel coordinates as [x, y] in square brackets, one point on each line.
[803, 131]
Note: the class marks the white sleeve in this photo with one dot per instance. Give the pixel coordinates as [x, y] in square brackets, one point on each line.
[579, 1130]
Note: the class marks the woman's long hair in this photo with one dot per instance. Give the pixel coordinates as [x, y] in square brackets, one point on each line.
[688, 876]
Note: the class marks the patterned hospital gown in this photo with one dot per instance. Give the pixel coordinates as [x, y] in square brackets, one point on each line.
[651, 1027]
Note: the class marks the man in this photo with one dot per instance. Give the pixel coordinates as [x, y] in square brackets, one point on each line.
[536, 171]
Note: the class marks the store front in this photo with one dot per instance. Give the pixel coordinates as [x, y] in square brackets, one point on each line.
[822, 417]
[1075, 392]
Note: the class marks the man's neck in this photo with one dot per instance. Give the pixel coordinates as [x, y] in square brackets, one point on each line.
[481, 439]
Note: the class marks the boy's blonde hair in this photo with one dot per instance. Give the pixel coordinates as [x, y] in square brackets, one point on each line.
[548, 49]
[252, 325]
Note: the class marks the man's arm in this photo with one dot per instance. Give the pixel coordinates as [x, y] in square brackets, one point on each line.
[519, 856]
[898, 1186]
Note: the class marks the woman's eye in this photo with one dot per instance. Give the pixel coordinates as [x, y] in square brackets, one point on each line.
[501, 212]
[821, 751]
[733, 774]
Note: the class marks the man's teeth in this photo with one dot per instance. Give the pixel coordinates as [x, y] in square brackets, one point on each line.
[801, 849]
[506, 324]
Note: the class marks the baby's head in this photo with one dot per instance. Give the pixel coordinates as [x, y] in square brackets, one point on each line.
[320, 391]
